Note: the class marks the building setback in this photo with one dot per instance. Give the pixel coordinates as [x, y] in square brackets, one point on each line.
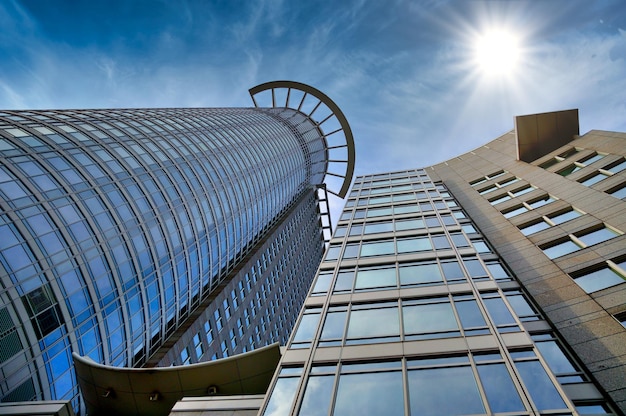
[490, 283]
[145, 237]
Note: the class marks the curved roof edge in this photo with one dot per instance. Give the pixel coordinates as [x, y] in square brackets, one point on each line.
[154, 391]
[322, 98]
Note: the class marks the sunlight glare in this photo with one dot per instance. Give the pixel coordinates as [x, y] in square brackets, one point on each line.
[497, 52]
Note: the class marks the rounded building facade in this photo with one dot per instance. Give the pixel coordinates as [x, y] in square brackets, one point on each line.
[116, 224]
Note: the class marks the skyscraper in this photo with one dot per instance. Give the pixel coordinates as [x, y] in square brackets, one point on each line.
[493, 282]
[157, 236]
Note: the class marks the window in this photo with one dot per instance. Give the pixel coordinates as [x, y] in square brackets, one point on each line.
[373, 322]
[616, 167]
[429, 390]
[515, 211]
[379, 227]
[597, 236]
[561, 249]
[379, 393]
[409, 245]
[430, 318]
[323, 282]
[377, 248]
[608, 276]
[197, 344]
[283, 392]
[184, 356]
[533, 228]
[422, 273]
[619, 192]
[562, 217]
[581, 240]
[593, 179]
[374, 278]
[499, 388]
[306, 328]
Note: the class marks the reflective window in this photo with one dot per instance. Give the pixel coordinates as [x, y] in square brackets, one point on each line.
[501, 393]
[422, 273]
[561, 249]
[542, 391]
[534, 227]
[374, 321]
[412, 224]
[322, 284]
[377, 248]
[409, 245]
[380, 227]
[374, 394]
[565, 216]
[371, 278]
[436, 316]
[344, 281]
[317, 395]
[600, 279]
[307, 326]
[597, 236]
[515, 211]
[444, 391]
[282, 396]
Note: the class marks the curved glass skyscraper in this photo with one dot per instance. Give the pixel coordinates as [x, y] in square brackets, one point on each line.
[117, 225]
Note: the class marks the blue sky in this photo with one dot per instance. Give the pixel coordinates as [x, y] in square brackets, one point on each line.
[402, 71]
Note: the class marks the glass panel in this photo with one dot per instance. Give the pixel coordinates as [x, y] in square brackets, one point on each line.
[440, 242]
[452, 270]
[474, 268]
[541, 202]
[597, 236]
[592, 159]
[542, 390]
[374, 323]
[377, 248]
[323, 283]
[569, 170]
[351, 251]
[561, 249]
[470, 314]
[565, 216]
[344, 281]
[499, 388]
[534, 228]
[555, 357]
[414, 244]
[617, 168]
[420, 273]
[307, 327]
[444, 391]
[409, 225]
[366, 279]
[515, 212]
[593, 179]
[619, 193]
[434, 317]
[319, 390]
[598, 280]
[381, 227]
[497, 271]
[372, 394]
[334, 325]
[498, 311]
[282, 397]
[520, 305]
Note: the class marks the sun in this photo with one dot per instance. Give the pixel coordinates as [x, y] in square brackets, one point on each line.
[497, 52]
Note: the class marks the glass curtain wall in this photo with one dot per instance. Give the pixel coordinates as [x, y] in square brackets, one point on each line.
[414, 313]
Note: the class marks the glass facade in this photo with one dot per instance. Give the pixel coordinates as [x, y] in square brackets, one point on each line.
[118, 228]
[413, 312]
